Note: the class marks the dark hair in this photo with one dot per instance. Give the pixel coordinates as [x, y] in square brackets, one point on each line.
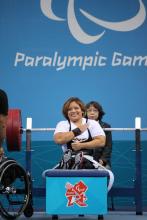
[67, 104]
[98, 107]
[3, 103]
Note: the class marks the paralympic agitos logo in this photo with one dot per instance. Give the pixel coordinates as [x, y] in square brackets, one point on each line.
[79, 34]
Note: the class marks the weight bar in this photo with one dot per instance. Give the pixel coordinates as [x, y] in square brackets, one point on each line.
[14, 129]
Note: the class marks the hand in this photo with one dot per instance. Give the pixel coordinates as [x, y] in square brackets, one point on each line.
[101, 162]
[76, 146]
[83, 127]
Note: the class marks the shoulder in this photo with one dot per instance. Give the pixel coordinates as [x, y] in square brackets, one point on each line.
[92, 122]
[63, 123]
[104, 124]
[95, 128]
[62, 126]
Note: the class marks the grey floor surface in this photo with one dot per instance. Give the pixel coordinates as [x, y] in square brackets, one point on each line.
[110, 216]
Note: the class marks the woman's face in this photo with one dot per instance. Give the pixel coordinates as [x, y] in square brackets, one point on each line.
[92, 113]
[75, 112]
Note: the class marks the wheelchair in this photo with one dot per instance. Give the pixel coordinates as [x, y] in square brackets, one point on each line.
[15, 190]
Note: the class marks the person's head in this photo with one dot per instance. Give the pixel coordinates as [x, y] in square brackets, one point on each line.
[94, 111]
[3, 103]
[73, 109]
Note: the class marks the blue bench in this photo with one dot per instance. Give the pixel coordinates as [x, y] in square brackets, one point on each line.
[77, 192]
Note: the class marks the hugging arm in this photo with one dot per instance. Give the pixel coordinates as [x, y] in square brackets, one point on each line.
[65, 137]
[98, 141]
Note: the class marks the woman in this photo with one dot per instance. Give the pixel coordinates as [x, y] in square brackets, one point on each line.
[77, 135]
[103, 155]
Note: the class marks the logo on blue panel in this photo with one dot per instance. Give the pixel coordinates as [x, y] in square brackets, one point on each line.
[76, 194]
[79, 34]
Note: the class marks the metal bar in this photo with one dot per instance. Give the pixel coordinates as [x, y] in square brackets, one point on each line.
[28, 151]
[39, 129]
[105, 129]
[119, 129]
[138, 181]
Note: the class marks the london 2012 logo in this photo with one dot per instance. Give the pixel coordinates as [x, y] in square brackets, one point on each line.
[76, 194]
[79, 34]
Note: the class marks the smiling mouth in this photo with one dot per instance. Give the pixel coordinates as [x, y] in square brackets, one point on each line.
[74, 114]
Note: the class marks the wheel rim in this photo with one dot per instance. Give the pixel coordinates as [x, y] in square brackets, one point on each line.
[14, 190]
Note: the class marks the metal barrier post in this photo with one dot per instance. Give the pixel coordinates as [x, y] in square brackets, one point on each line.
[138, 181]
[28, 145]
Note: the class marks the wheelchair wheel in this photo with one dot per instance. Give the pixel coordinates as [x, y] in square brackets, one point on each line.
[14, 189]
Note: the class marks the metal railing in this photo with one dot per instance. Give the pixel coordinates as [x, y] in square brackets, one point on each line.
[135, 191]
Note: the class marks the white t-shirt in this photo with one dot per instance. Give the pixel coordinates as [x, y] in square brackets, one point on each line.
[93, 126]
